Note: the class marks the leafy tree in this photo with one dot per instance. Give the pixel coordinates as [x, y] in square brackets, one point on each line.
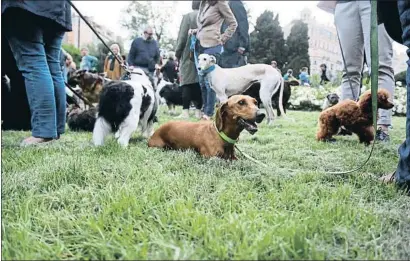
[267, 41]
[157, 14]
[74, 52]
[298, 47]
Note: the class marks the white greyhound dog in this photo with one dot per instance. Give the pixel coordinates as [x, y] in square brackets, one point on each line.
[231, 81]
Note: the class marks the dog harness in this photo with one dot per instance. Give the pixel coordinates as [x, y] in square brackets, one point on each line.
[225, 137]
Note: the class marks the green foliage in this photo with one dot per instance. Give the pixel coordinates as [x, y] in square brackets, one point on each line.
[298, 47]
[157, 14]
[267, 41]
[70, 200]
[74, 52]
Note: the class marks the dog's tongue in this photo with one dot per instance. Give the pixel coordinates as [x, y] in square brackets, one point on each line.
[250, 127]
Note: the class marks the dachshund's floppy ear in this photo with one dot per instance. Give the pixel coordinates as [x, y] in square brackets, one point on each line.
[219, 115]
[212, 59]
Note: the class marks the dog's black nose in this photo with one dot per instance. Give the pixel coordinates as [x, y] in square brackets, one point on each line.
[260, 116]
[199, 68]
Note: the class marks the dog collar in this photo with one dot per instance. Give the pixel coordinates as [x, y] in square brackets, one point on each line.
[208, 70]
[225, 137]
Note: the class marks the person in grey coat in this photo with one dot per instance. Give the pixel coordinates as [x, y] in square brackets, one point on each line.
[191, 90]
[236, 49]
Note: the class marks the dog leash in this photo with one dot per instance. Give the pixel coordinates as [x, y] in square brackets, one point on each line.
[374, 64]
[233, 142]
[78, 95]
[374, 88]
[98, 36]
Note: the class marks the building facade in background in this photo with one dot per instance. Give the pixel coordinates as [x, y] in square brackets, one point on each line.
[323, 43]
[82, 35]
[324, 46]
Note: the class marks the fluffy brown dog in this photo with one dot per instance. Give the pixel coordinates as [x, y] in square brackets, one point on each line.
[354, 116]
[239, 112]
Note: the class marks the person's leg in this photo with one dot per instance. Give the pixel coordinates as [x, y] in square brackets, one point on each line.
[403, 169]
[211, 95]
[27, 45]
[348, 25]
[402, 174]
[53, 40]
[186, 99]
[386, 73]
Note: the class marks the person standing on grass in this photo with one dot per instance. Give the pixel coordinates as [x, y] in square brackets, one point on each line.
[210, 40]
[88, 62]
[304, 77]
[352, 20]
[35, 31]
[112, 67]
[191, 90]
[326, 75]
[401, 176]
[170, 69]
[236, 48]
[144, 53]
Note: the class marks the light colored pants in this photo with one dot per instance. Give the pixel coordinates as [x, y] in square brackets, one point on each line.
[352, 20]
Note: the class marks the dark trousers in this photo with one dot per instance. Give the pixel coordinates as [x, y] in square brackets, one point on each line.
[191, 93]
[403, 168]
[14, 103]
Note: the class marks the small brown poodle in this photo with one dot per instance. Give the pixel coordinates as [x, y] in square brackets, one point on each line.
[354, 116]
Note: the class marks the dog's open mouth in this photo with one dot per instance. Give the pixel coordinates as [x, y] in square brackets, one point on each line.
[249, 125]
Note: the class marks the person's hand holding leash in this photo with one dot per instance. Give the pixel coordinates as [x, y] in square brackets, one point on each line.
[241, 50]
[192, 31]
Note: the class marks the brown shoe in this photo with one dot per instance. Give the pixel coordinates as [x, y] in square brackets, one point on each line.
[389, 178]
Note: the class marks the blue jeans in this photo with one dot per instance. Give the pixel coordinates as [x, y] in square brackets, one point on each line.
[403, 169]
[208, 95]
[36, 46]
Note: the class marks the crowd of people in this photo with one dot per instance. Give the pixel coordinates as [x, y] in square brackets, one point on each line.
[219, 28]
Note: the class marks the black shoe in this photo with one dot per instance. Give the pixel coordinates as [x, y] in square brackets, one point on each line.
[382, 136]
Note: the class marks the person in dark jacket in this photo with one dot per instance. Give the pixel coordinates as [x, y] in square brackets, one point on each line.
[401, 177]
[170, 69]
[236, 48]
[144, 53]
[34, 31]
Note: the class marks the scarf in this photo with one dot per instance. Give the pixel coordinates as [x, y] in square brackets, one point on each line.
[112, 62]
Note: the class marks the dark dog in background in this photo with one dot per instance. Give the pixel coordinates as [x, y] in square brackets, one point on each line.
[253, 91]
[330, 100]
[81, 120]
[171, 93]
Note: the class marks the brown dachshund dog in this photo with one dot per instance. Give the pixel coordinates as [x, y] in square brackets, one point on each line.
[239, 112]
[354, 116]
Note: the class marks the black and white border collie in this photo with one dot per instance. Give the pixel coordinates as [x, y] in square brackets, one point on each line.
[124, 106]
[170, 93]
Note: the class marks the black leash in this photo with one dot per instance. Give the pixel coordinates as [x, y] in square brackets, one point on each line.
[78, 95]
[96, 33]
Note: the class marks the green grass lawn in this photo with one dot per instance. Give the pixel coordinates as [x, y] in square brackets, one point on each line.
[70, 200]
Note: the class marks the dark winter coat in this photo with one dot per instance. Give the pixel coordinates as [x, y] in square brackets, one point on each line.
[144, 53]
[241, 36]
[189, 74]
[57, 11]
